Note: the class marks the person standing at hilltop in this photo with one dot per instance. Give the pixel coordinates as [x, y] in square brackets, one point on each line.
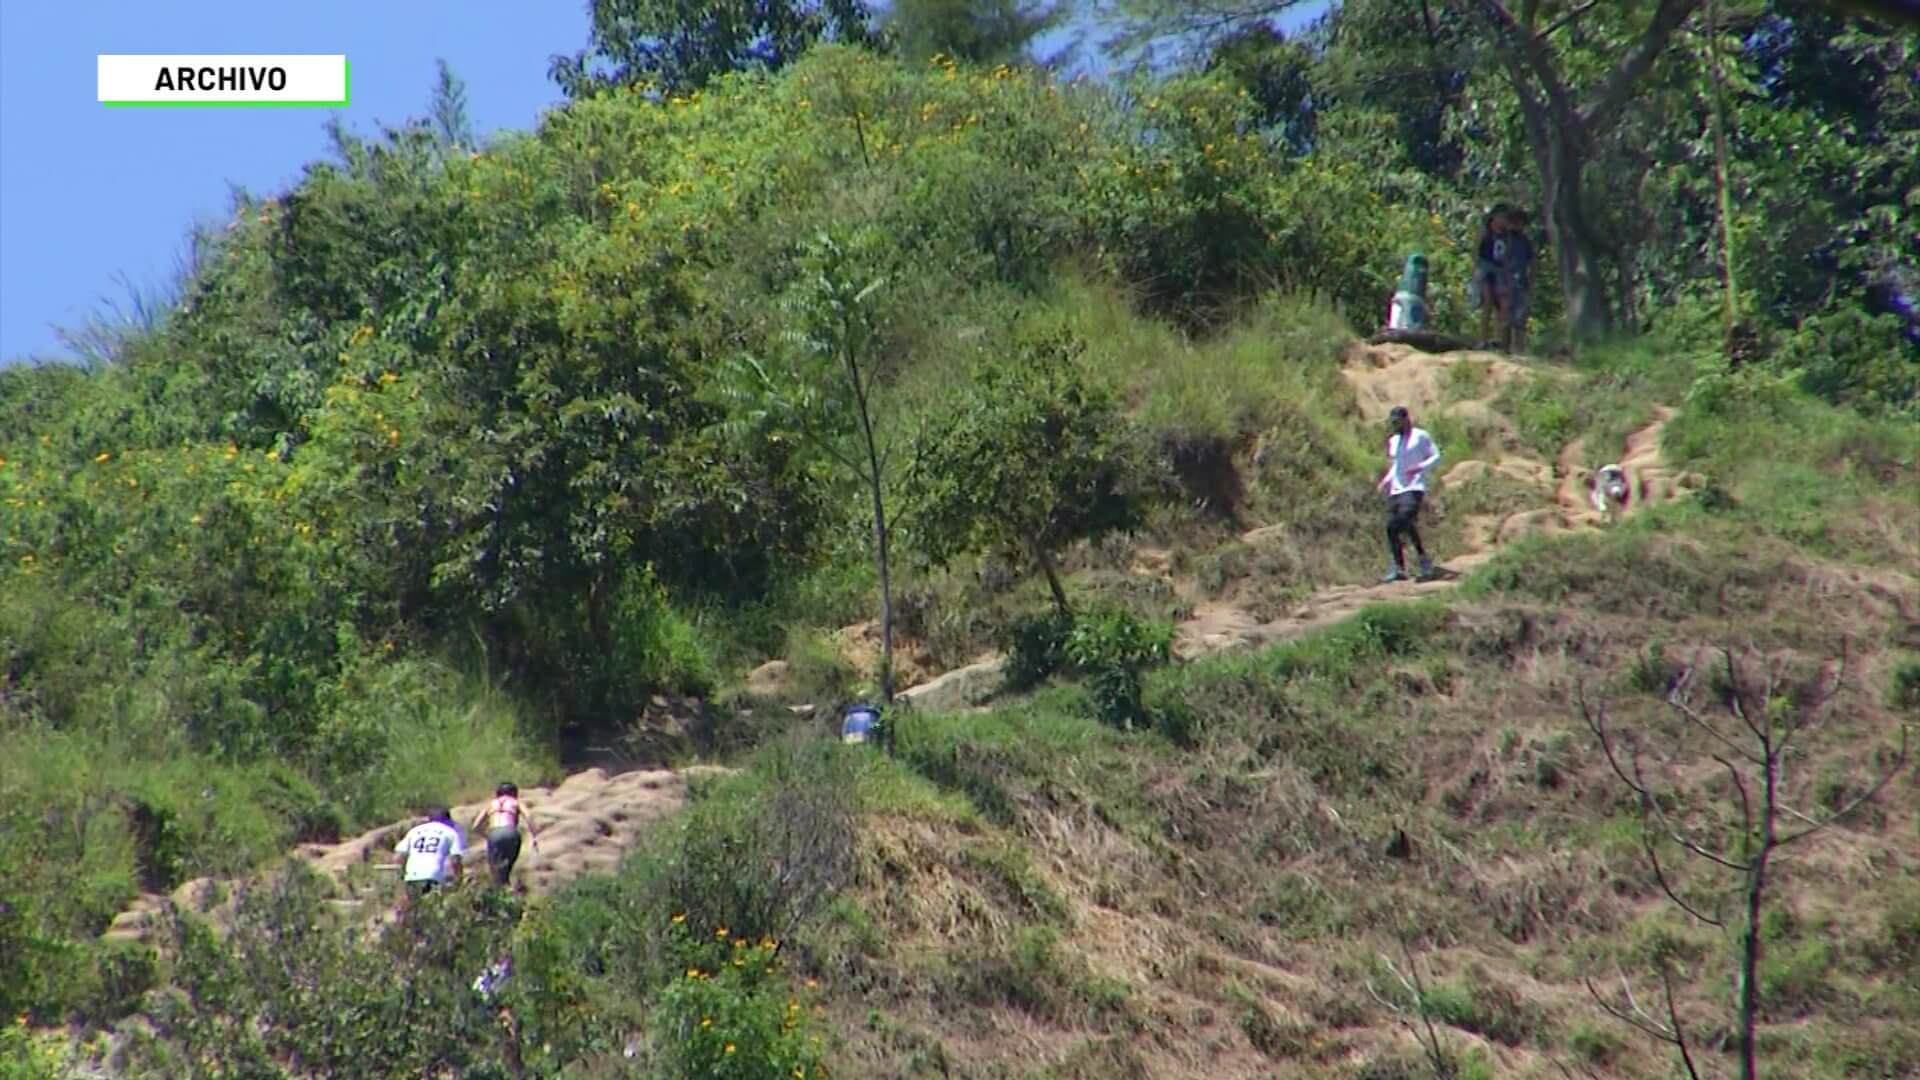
[1516, 281]
[1490, 252]
[504, 819]
[431, 847]
[1410, 453]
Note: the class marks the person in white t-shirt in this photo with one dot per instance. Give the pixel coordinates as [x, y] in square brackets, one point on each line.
[434, 853]
[1410, 453]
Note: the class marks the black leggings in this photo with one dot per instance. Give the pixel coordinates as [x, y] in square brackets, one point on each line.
[1402, 510]
[503, 849]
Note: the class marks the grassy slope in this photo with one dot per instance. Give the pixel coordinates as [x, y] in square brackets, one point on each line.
[1039, 895]
[1106, 905]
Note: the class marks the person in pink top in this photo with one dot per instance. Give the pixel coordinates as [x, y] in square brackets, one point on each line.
[505, 819]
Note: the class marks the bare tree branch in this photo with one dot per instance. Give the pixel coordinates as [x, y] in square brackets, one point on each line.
[1567, 18]
[1660, 875]
[1899, 763]
[1618, 87]
[1673, 1018]
[1677, 698]
[1673, 1033]
[1647, 801]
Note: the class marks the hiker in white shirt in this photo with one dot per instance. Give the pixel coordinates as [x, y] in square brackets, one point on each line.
[1410, 453]
[431, 847]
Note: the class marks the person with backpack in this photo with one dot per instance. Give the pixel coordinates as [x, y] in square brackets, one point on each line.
[431, 848]
[1410, 453]
[504, 819]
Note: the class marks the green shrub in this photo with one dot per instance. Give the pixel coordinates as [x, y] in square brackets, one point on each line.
[1594, 1043]
[1852, 358]
[1903, 685]
[340, 1002]
[760, 855]
[1035, 646]
[730, 1014]
[1115, 649]
[655, 647]
[820, 671]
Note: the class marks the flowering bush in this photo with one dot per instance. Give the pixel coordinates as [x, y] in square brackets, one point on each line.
[733, 1014]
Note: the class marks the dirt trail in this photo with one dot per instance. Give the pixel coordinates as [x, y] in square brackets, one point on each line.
[589, 819]
[583, 824]
[1383, 376]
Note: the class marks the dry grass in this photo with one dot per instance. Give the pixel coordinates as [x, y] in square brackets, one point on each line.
[1223, 912]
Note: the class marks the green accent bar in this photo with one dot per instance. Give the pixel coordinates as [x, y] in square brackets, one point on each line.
[346, 79]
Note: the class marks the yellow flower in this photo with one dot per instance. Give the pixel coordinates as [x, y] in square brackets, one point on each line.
[102, 458]
[680, 918]
[196, 520]
[706, 1021]
[393, 437]
[693, 973]
[730, 1048]
[721, 933]
[813, 984]
[388, 378]
[25, 559]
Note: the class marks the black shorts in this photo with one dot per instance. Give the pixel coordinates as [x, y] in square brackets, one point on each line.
[1403, 508]
[422, 887]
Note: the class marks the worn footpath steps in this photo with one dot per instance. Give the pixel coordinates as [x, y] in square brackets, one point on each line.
[584, 824]
[589, 819]
[1383, 376]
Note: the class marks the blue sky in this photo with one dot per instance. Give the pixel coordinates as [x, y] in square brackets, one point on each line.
[91, 195]
[88, 193]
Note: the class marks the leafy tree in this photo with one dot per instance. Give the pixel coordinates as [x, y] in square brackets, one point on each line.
[1278, 73]
[825, 385]
[1412, 61]
[679, 45]
[1033, 453]
[979, 31]
[449, 109]
[1565, 115]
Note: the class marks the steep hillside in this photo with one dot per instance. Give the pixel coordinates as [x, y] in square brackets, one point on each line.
[1376, 789]
[615, 456]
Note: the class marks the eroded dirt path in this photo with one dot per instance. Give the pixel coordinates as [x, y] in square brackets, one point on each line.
[588, 820]
[584, 824]
[1383, 376]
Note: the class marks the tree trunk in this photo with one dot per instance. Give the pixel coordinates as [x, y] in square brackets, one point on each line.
[886, 585]
[875, 481]
[1720, 171]
[1561, 135]
[1045, 558]
[1583, 285]
[1750, 947]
